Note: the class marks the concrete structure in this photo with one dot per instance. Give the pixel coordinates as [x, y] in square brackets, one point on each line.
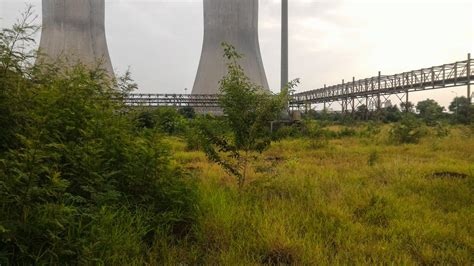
[234, 22]
[284, 43]
[75, 30]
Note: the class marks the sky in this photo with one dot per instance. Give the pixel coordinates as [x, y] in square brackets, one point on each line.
[330, 40]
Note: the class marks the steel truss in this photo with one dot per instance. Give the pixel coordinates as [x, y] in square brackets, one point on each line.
[172, 100]
[372, 92]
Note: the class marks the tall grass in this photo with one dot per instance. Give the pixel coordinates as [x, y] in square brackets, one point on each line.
[328, 205]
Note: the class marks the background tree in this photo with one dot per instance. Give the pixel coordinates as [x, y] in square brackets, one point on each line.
[430, 111]
[407, 107]
[362, 112]
[391, 114]
[463, 110]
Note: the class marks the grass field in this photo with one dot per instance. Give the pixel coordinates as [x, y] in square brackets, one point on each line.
[351, 200]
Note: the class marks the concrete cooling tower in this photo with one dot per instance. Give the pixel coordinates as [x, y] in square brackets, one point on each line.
[75, 30]
[234, 22]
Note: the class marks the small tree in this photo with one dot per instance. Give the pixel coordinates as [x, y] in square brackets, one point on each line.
[391, 114]
[248, 110]
[408, 130]
[463, 110]
[430, 111]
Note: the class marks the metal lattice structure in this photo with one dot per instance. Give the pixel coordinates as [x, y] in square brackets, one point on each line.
[374, 91]
[172, 100]
[371, 92]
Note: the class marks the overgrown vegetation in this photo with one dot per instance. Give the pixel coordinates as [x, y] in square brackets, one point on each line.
[78, 183]
[353, 200]
[87, 180]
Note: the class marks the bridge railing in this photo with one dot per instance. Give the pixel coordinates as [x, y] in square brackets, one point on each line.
[171, 100]
[459, 73]
[443, 76]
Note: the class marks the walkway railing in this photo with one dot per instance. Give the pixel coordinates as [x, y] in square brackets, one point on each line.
[350, 94]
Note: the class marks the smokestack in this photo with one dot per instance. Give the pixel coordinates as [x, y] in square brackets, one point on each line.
[75, 29]
[234, 22]
[284, 43]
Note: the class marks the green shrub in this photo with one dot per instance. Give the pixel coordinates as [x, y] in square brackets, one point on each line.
[346, 132]
[166, 120]
[372, 129]
[441, 130]
[78, 182]
[287, 131]
[409, 130]
[373, 158]
[187, 112]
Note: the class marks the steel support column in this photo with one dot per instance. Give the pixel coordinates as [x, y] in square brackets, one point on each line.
[469, 78]
[378, 89]
[407, 101]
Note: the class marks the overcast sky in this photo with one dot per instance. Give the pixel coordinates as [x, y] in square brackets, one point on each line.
[330, 40]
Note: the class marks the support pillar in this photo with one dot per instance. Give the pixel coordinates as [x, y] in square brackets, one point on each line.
[352, 92]
[379, 104]
[284, 43]
[406, 102]
[469, 78]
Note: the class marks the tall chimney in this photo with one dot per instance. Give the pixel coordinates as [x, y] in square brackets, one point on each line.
[234, 22]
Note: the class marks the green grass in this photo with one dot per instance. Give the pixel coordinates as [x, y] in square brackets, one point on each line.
[348, 201]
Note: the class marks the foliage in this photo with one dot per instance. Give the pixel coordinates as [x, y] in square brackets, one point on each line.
[248, 111]
[187, 112]
[407, 107]
[165, 120]
[362, 112]
[373, 158]
[391, 114]
[78, 183]
[287, 130]
[15, 60]
[430, 111]
[409, 130]
[463, 110]
[441, 130]
[372, 129]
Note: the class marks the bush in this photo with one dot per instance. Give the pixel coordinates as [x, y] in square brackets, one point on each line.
[288, 131]
[409, 130]
[372, 129]
[78, 182]
[166, 120]
[441, 130]
[463, 110]
[346, 132]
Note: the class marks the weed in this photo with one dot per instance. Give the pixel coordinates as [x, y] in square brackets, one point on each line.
[373, 158]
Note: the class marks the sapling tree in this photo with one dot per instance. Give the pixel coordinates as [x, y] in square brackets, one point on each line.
[248, 110]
